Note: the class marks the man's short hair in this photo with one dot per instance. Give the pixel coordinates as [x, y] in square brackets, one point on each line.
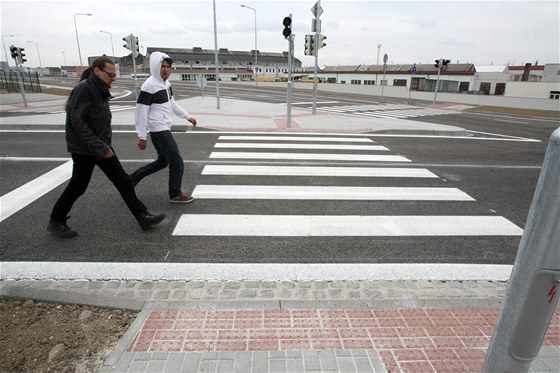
[168, 60]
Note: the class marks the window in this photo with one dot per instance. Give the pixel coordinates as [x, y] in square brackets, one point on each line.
[369, 82]
[353, 81]
[399, 82]
[555, 95]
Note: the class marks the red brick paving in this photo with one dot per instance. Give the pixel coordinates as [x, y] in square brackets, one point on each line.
[408, 340]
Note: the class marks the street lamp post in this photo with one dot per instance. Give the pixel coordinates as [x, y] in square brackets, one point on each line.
[64, 55]
[38, 54]
[78, 39]
[6, 53]
[256, 73]
[112, 49]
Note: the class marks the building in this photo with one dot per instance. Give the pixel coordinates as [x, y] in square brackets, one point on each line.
[417, 77]
[233, 65]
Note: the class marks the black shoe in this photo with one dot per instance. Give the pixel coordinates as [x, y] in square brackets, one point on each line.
[146, 220]
[60, 229]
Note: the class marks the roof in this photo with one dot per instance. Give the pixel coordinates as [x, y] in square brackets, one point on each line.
[458, 68]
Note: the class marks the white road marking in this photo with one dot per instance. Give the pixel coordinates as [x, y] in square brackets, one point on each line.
[256, 272]
[316, 171]
[252, 145]
[328, 193]
[309, 156]
[17, 199]
[299, 137]
[342, 225]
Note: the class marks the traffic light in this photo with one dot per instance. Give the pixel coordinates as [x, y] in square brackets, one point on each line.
[13, 51]
[136, 46]
[128, 42]
[287, 22]
[20, 55]
[309, 45]
[320, 41]
[443, 62]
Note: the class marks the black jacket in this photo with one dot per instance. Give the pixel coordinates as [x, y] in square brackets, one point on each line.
[88, 118]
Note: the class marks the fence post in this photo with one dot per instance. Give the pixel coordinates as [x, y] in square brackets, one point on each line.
[533, 290]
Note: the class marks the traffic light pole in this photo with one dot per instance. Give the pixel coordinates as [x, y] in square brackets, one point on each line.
[19, 77]
[437, 81]
[289, 100]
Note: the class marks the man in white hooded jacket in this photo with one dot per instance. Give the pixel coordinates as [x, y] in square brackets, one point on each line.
[154, 114]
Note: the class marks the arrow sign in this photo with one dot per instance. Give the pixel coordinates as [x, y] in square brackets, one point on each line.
[317, 10]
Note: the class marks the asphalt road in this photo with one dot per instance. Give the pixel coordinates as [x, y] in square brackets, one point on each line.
[499, 175]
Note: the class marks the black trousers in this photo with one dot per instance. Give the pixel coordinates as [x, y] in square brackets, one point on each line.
[81, 175]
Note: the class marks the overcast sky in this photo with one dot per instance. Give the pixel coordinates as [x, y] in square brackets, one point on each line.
[479, 32]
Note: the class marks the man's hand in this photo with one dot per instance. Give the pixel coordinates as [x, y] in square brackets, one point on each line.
[109, 154]
[193, 121]
[142, 144]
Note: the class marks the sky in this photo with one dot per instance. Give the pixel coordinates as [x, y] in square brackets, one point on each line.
[480, 32]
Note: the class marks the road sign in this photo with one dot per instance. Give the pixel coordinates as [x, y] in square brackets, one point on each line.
[317, 10]
[413, 69]
[201, 81]
[385, 58]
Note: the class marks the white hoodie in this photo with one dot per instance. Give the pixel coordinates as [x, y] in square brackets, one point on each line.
[155, 105]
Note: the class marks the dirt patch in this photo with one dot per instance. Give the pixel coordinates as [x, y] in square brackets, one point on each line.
[43, 337]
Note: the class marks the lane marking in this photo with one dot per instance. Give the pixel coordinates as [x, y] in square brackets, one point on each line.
[250, 271]
[329, 193]
[316, 171]
[251, 145]
[309, 156]
[299, 137]
[17, 199]
[342, 226]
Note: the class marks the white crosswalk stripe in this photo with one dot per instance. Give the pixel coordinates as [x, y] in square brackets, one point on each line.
[240, 224]
[386, 111]
[328, 193]
[342, 225]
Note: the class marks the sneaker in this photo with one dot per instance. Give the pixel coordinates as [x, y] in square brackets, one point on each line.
[181, 198]
[147, 220]
[60, 229]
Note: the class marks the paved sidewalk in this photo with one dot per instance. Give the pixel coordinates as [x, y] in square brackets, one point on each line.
[296, 326]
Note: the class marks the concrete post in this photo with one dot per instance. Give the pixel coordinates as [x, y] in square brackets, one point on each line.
[533, 289]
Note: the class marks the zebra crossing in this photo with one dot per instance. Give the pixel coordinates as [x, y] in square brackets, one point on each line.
[387, 111]
[358, 225]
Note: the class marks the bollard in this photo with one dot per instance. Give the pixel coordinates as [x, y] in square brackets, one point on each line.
[534, 286]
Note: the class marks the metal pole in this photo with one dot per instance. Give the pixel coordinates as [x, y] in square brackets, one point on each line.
[532, 293]
[378, 49]
[437, 81]
[315, 69]
[216, 58]
[256, 73]
[112, 49]
[38, 54]
[290, 54]
[6, 53]
[19, 78]
[77, 38]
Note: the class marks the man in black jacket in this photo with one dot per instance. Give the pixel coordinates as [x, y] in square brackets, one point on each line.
[88, 139]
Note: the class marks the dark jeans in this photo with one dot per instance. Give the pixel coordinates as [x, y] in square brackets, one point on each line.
[81, 175]
[168, 154]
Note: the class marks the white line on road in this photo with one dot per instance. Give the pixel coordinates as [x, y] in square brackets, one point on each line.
[296, 138]
[316, 171]
[17, 199]
[309, 156]
[252, 145]
[329, 193]
[342, 225]
[256, 272]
